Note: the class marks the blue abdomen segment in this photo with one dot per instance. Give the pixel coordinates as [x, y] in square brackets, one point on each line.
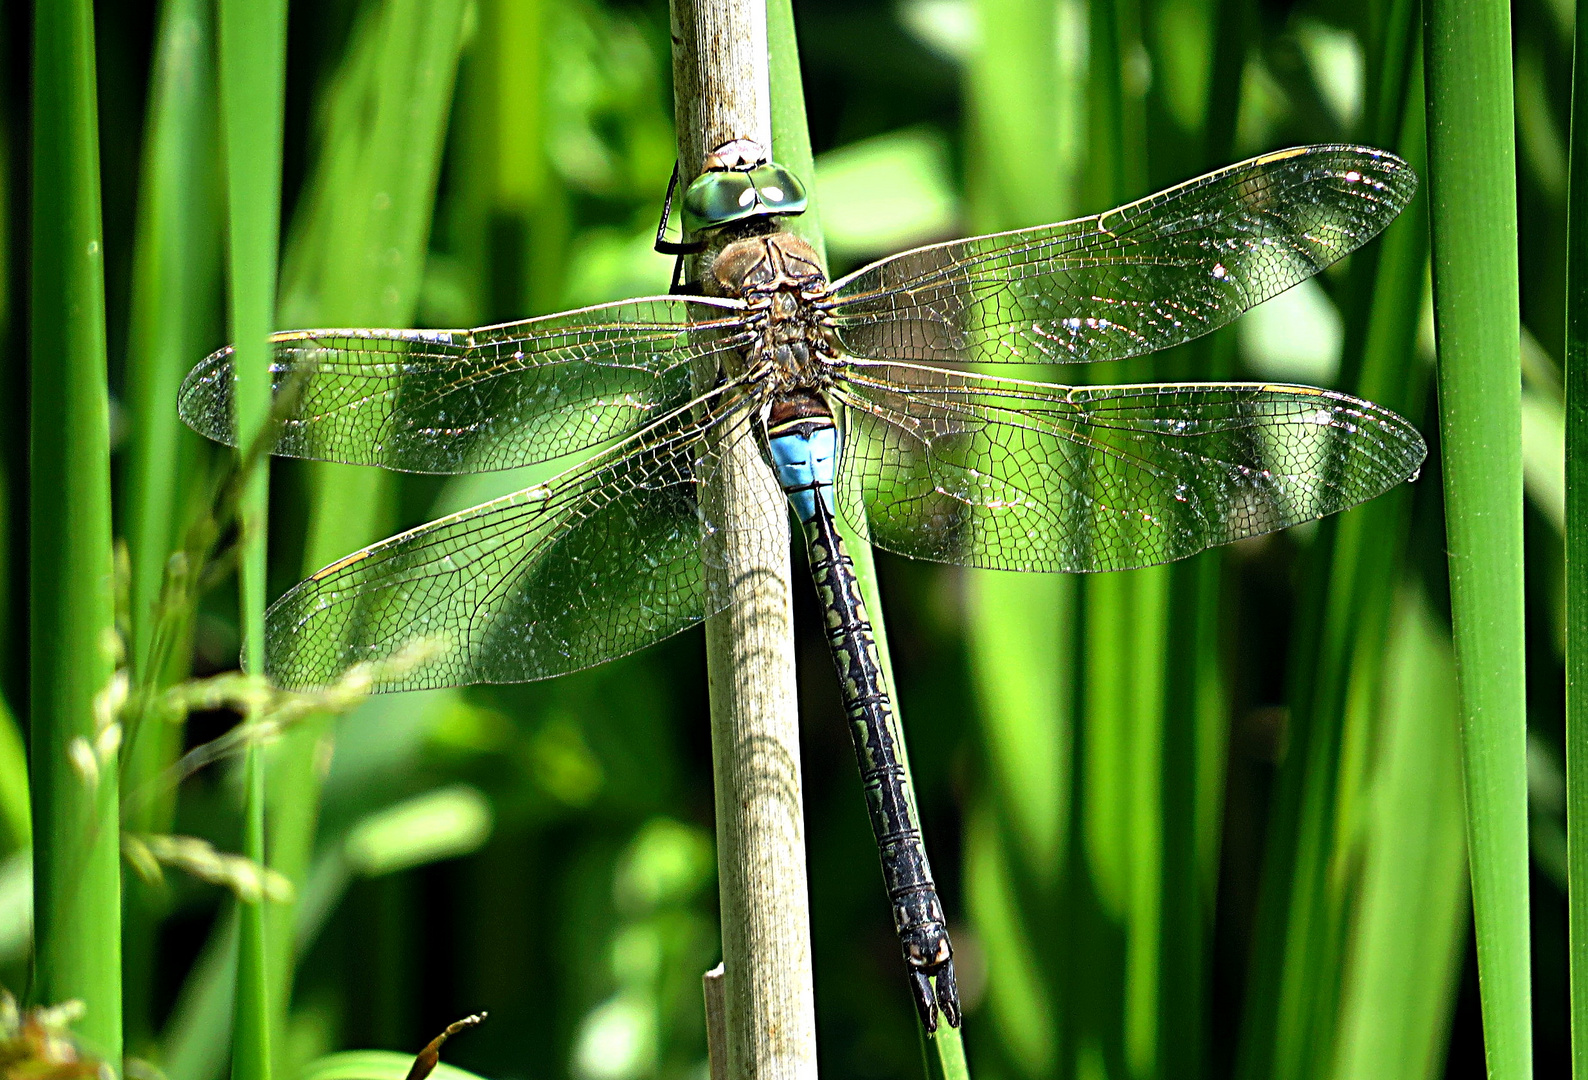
[806, 458]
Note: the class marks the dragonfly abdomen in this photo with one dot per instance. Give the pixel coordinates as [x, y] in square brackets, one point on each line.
[803, 441]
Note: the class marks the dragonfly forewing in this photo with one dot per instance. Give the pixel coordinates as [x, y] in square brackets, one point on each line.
[497, 397]
[593, 564]
[962, 468]
[1143, 277]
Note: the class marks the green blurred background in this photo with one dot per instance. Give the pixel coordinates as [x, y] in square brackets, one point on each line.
[1199, 822]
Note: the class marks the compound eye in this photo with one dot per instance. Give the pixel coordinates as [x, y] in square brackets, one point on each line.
[716, 199]
[780, 189]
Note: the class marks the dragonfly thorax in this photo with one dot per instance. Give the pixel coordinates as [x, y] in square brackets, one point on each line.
[766, 263]
[779, 277]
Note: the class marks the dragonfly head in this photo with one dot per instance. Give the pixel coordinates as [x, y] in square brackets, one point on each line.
[740, 182]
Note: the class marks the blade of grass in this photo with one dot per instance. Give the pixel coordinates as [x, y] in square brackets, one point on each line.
[176, 278]
[943, 1052]
[193, 1042]
[76, 868]
[791, 136]
[1297, 961]
[1195, 737]
[1472, 195]
[1022, 660]
[1404, 962]
[356, 258]
[1020, 632]
[252, 37]
[175, 304]
[357, 254]
[1113, 976]
[1196, 709]
[1577, 549]
[511, 219]
[1367, 552]
[16, 820]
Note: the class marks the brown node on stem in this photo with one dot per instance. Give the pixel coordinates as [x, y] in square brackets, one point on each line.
[426, 1060]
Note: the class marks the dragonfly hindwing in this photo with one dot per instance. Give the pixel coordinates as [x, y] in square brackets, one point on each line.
[1000, 473]
[593, 564]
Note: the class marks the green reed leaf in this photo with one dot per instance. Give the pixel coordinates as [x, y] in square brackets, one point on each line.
[1472, 198]
[1577, 549]
[75, 730]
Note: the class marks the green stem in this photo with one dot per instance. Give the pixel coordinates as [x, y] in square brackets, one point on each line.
[254, 1017]
[355, 258]
[1472, 200]
[1292, 1006]
[76, 878]
[944, 1052]
[253, 70]
[1196, 707]
[176, 274]
[1020, 626]
[175, 294]
[1115, 870]
[1577, 549]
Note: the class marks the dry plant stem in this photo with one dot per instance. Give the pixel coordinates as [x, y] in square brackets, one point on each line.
[721, 93]
[716, 1027]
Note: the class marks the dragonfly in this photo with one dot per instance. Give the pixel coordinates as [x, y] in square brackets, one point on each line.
[870, 400]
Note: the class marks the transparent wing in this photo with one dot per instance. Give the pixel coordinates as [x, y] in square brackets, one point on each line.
[961, 468]
[451, 401]
[593, 564]
[1155, 273]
